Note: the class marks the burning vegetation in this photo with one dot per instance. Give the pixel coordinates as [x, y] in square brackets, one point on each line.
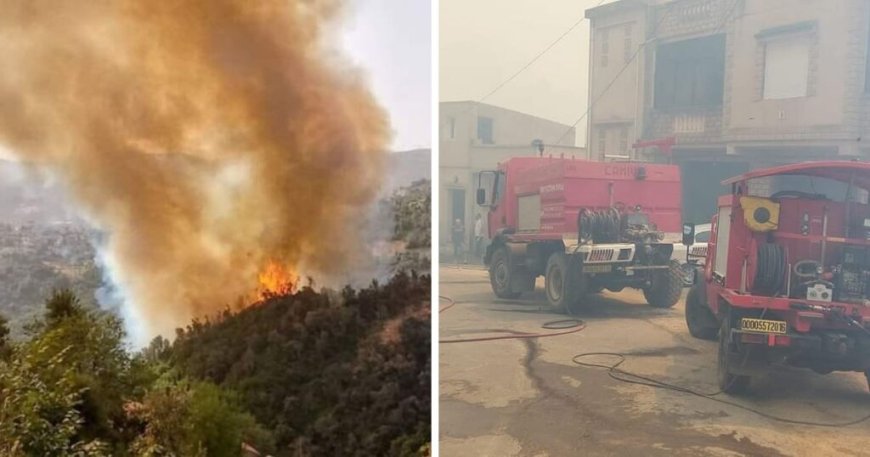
[215, 142]
[276, 279]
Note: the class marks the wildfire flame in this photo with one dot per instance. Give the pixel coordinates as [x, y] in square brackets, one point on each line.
[275, 279]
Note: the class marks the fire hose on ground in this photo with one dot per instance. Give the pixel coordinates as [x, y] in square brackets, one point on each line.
[567, 326]
[613, 371]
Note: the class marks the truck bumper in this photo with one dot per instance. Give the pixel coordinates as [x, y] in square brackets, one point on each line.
[823, 352]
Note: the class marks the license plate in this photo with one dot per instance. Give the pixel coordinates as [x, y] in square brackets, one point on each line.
[762, 326]
[597, 268]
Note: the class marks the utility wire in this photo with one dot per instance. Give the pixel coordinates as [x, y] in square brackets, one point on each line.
[538, 56]
[530, 62]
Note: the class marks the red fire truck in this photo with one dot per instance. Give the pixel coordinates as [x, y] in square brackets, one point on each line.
[585, 226]
[787, 276]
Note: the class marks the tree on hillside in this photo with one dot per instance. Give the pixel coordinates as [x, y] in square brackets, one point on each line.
[61, 305]
[5, 343]
[74, 389]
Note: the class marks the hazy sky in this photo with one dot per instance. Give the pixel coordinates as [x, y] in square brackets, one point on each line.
[483, 42]
[391, 40]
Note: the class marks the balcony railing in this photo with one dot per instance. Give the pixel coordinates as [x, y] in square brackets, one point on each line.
[690, 126]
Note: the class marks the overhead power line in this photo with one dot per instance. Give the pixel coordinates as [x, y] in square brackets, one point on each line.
[531, 62]
[538, 56]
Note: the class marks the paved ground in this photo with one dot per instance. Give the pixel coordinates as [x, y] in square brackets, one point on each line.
[526, 398]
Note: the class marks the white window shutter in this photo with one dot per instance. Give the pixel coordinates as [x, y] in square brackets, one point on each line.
[786, 68]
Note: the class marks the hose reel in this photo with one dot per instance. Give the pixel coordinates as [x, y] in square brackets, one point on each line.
[770, 271]
[599, 226]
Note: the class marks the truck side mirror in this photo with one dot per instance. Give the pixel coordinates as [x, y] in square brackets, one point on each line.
[481, 196]
[688, 233]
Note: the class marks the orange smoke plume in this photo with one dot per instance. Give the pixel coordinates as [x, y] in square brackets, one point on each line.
[206, 138]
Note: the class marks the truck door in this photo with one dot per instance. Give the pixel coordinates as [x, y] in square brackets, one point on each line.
[486, 188]
[490, 191]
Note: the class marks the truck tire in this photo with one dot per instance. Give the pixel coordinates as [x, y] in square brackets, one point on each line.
[728, 382]
[559, 282]
[667, 285]
[688, 271]
[700, 320]
[501, 274]
[867, 375]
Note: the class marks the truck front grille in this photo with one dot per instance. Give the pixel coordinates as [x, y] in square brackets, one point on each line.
[600, 255]
[698, 251]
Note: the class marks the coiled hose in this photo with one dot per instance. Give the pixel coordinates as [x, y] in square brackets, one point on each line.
[600, 226]
[770, 272]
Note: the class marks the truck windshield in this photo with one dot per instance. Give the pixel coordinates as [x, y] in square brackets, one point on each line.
[809, 187]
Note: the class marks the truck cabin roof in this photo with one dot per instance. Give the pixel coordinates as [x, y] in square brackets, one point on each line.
[844, 171]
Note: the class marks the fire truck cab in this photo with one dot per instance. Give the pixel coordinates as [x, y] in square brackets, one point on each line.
[787, 275]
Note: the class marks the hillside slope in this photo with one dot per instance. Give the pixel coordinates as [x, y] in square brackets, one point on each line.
[328, 373]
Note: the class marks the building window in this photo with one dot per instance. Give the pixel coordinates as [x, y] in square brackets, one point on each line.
[867, 67]
[602, 141]
[484, 130]
[605, 46]
[628, 48]
[623, 139]
[451, 128]
[786, 68]
[690, 73]
[787, 57]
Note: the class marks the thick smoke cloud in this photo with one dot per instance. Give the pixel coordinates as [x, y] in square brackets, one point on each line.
[206, 138]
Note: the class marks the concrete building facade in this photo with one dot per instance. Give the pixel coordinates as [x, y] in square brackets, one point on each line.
[740, 84]
[475, 137]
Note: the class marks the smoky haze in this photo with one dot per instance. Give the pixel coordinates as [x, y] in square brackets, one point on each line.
[205, 138]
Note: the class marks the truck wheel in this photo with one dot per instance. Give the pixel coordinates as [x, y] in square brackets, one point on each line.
[667, 285]
[867, 375]
[500, 274]
[699, 318]
[559, 282]
[728, 382]
[688, 271]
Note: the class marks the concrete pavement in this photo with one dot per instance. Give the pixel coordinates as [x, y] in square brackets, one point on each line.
[527, 398]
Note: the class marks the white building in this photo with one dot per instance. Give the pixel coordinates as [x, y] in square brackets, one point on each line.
[475, 137]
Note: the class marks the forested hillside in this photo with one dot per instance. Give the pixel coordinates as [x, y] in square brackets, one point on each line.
[315, 372]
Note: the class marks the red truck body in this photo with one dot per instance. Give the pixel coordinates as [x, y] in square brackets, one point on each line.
[758, 297]
[565, 186]
[585, 226]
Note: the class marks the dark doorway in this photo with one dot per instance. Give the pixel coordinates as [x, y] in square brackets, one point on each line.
[702, 188]
[457, 205]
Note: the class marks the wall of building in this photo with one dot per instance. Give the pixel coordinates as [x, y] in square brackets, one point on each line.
[746, 130]
[820, 114]
[462, 155]
[836, 107]
[613, 80]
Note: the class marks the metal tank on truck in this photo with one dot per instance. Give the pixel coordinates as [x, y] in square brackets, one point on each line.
[585, 226]
[787, 276]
